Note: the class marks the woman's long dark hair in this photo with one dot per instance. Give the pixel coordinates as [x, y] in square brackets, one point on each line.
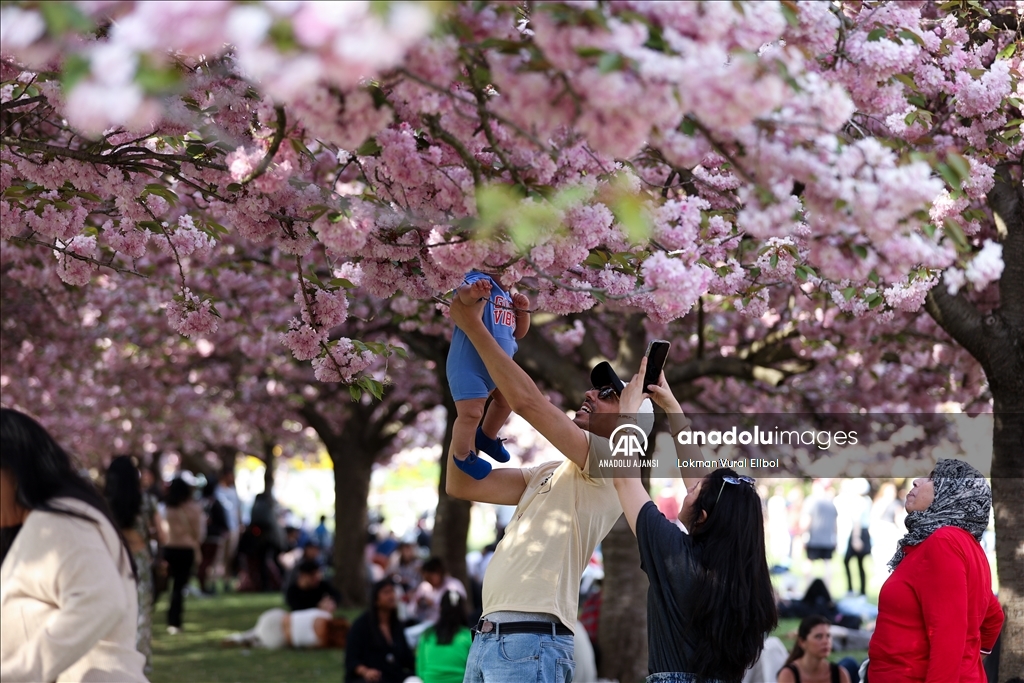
[452, 618]
[735, 606]
[44, 471]
[806, 626]
[122, 487]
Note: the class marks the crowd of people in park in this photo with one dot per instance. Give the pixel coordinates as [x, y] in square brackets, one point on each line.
[77, 558]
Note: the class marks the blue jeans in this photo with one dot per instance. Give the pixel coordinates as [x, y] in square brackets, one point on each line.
[520, 658]
[675, 677]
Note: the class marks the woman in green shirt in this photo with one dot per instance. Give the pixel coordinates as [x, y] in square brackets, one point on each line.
[443, 648]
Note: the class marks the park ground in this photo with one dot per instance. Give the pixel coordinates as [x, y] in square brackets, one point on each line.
[195, 654]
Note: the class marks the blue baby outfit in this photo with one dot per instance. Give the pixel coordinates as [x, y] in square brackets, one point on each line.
[467, 375]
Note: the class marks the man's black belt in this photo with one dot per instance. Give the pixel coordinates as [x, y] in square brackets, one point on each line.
[511, 627]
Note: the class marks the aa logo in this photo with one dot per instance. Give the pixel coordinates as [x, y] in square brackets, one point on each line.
[628, 441]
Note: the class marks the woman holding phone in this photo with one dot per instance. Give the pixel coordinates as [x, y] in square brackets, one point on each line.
[710, 604]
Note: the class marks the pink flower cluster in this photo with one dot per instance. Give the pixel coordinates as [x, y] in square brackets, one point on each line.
[191, 316]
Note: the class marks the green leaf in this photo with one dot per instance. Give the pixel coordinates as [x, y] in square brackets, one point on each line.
[774, 261]
[960, 165]
[1007, 51]
[849, 292]
[789, 12]
[156, 80]
[588, 52]
[956, 233]
[63, 17]
[906, 80]
[195, 150]
[877, 34]
[283, 36]
[400, 352]
[341, 282]
[354, 392]
[234, 187]
[950, 176]
[801, 272]
[161, 191]
[74, 69]
[875, 300]
[918, 101]
[860, 250]
[911, 117]
[368, 148]
[610, 61]
[911, 36]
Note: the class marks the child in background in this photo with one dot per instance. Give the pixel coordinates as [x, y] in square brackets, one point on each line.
[507, 318]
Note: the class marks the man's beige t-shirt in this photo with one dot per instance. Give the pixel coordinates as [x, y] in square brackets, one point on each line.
[563, 514]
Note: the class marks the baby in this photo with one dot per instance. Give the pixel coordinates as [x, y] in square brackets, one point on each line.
[507, 317]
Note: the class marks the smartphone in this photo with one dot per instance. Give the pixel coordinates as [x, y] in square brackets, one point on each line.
[657, 353]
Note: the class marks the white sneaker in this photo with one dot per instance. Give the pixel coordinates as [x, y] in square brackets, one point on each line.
[173, 630]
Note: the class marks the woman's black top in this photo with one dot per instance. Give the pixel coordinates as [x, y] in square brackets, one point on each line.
[367, 647]
[833, 670]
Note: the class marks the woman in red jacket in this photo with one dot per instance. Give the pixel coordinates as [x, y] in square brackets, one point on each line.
[937, 615]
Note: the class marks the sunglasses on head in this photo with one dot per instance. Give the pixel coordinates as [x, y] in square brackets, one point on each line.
[606, 393]
[734, 480]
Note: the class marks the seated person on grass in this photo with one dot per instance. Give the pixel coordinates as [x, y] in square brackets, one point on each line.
[308, 590]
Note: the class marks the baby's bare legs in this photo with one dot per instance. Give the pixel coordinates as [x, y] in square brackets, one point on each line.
[497, 415]
[464, 431]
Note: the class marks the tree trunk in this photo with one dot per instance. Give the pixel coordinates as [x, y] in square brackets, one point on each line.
[451, 521]
[1007, 493]
[622, 630]
[352, 473]
[269, 463]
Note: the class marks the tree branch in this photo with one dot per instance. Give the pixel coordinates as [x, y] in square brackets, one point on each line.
[275, 145]
[958, 317]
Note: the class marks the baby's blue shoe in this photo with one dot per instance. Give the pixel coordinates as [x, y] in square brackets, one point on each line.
[492, 447]
[473, 466]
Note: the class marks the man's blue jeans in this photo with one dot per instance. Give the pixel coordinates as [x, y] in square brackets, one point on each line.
[520, 658]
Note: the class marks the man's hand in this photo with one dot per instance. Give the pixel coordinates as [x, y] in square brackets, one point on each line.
[633, 393]
[470, 294]
[661, 394]
[465, 315]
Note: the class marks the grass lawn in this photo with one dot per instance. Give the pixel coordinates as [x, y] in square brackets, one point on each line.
[195, 654]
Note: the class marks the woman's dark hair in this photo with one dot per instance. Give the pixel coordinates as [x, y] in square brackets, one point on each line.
[735, 608]
[434, 565]
[44, 471]
[178, 492]
[806, 626]
[122, 487]
[452, 618]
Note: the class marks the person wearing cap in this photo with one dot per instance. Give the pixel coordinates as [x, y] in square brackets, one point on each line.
[710, 603]
[531, 586]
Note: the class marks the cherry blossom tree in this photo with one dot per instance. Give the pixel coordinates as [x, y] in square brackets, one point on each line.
[808, 176]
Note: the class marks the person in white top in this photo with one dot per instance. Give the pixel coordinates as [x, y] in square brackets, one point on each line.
[436, 583]
[67, 579]
[308, 628]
